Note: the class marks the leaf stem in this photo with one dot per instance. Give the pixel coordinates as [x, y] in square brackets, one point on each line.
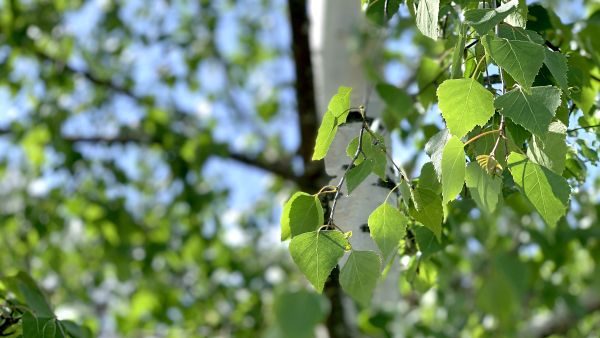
[391, 191]
[500, 136]
[476, 137]
[327, 189]
[473, 76]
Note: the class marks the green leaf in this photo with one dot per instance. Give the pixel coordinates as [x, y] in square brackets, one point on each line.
[427, 18]
[521, 59]
[40, 327]
[457, 53]
[429, 74]
[428, 244]
[337, 112]
[302, 213]
[484, 19]
[532, 111]
[547, 191]
[485, 189]
[373, 149]
[520, 34]
[422, 274]
[360, 274]
[340, 103]
[325, 135]
[517, 18]
[435, 149]
[286, 232]
[428, 179]
[398, 104]
[316, 253]
[387, 226]
[583, 93]
[428, 210]
[375, 10]
[298, 312]
[507, 276]
[357, 175]
[29, 325]
[405, 192]
[464, 103]
[551, 149]
[49, 329]
[26, 289]
[453, 169]
[74, 330]
[557, 64]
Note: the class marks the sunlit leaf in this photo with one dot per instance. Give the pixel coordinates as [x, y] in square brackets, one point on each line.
[316, 253]
[387, 226]
[453, 169]
[337, 112]
[464, 103]
[301, 213]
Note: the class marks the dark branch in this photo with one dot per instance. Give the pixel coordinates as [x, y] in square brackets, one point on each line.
[93, 78]
[305, 92]
[584, 127]
[473, 43]
[280, 168]
[551, 46]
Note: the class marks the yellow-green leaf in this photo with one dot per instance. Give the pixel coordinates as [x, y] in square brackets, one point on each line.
[464, 103]
[301, 213]
[387, 226]
[316, 253]
[453, 169]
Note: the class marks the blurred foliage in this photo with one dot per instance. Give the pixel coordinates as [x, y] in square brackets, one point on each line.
[113, 111]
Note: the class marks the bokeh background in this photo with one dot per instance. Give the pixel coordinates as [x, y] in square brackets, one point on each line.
[146, 148]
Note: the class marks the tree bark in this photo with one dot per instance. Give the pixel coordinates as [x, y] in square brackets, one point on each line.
[339, 59]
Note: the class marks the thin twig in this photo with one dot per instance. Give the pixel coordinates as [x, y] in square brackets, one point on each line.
[343, 179]
[501, 134]
[399, 168]
[584, 127]
[471, 44]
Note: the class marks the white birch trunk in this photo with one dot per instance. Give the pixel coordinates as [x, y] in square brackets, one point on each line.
[337, 61]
